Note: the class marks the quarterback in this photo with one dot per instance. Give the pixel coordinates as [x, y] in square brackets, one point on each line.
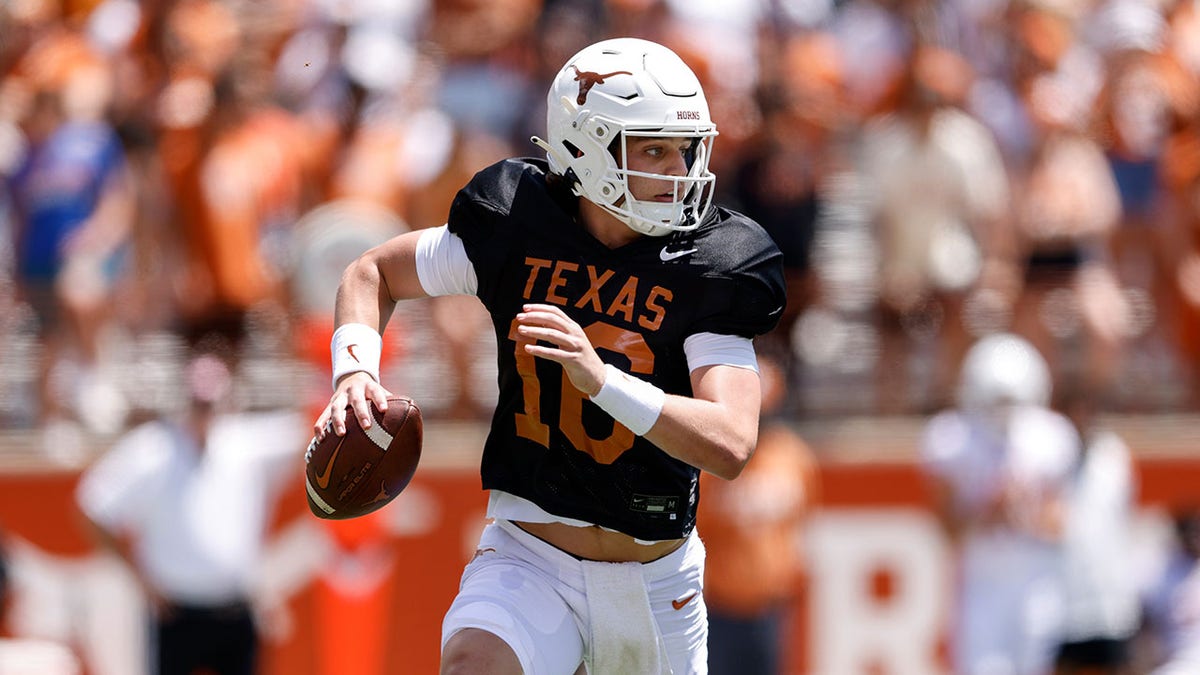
[624, 304]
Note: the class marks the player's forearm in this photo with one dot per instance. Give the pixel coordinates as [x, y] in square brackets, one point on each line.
[715, 429]
[362, 296]
[714, 437]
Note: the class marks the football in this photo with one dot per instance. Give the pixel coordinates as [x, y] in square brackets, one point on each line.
[353, 475]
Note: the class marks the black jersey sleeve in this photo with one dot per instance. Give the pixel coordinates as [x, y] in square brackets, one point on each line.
[745, 291]
[476, 224]
[479, 216]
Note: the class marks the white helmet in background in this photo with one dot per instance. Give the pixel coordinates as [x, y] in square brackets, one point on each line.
[1003, 370]
[620, 88]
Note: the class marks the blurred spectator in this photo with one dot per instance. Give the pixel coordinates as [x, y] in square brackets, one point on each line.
[1184, 270]
[878, 38]
[1102, 596]
[753, 529]
[1135, 110]
[239, 191]
[933, 249]
[1069, 207]
[485, 81]
[1000, 466]
[1171, 624]
[237, 164]
[185, 502]
[1181, 174]
[786, 166]
[74, 206]
[563, 28]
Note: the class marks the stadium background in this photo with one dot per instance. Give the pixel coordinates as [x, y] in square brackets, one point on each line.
[304, 131]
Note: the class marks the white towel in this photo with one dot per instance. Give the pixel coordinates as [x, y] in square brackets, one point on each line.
[624, 639]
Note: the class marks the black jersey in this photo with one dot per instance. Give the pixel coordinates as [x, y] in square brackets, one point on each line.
[637, 303]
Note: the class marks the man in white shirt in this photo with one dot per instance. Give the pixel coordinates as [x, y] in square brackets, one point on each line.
[186, 503]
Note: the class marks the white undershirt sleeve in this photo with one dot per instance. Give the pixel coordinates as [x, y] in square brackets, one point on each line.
[712, 349]
[443, 267]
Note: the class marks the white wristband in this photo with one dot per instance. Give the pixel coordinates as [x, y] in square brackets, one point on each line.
[631, 401]
[355, 347]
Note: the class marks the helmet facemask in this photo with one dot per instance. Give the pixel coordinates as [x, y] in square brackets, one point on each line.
[691, 193]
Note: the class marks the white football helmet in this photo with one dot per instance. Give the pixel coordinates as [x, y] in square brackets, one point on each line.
[609, 92]
[1003, 370]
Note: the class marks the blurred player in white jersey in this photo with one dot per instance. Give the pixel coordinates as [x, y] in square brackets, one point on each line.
[1102, 602]
[1171, 624]
[999, 465]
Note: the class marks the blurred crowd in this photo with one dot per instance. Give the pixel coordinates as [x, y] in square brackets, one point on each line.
[188, 171]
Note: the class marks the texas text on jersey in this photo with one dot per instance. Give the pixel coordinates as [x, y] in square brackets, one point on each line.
[637, 303]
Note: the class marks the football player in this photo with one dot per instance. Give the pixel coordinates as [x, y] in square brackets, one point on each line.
[999, 465]
[624, 305]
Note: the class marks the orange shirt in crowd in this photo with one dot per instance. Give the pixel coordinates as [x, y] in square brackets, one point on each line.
[752, 526]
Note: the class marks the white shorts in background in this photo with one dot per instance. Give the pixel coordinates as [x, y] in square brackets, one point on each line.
[533, 596]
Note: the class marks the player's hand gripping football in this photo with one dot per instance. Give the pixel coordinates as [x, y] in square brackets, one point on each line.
[357, 390]
[572, 348]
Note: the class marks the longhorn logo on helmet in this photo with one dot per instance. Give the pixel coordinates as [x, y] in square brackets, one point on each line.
[588, 79]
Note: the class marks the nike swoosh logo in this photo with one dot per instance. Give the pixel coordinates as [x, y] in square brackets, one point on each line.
[323, 477]
[667, 256]
[350, 349]
[679, 604]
